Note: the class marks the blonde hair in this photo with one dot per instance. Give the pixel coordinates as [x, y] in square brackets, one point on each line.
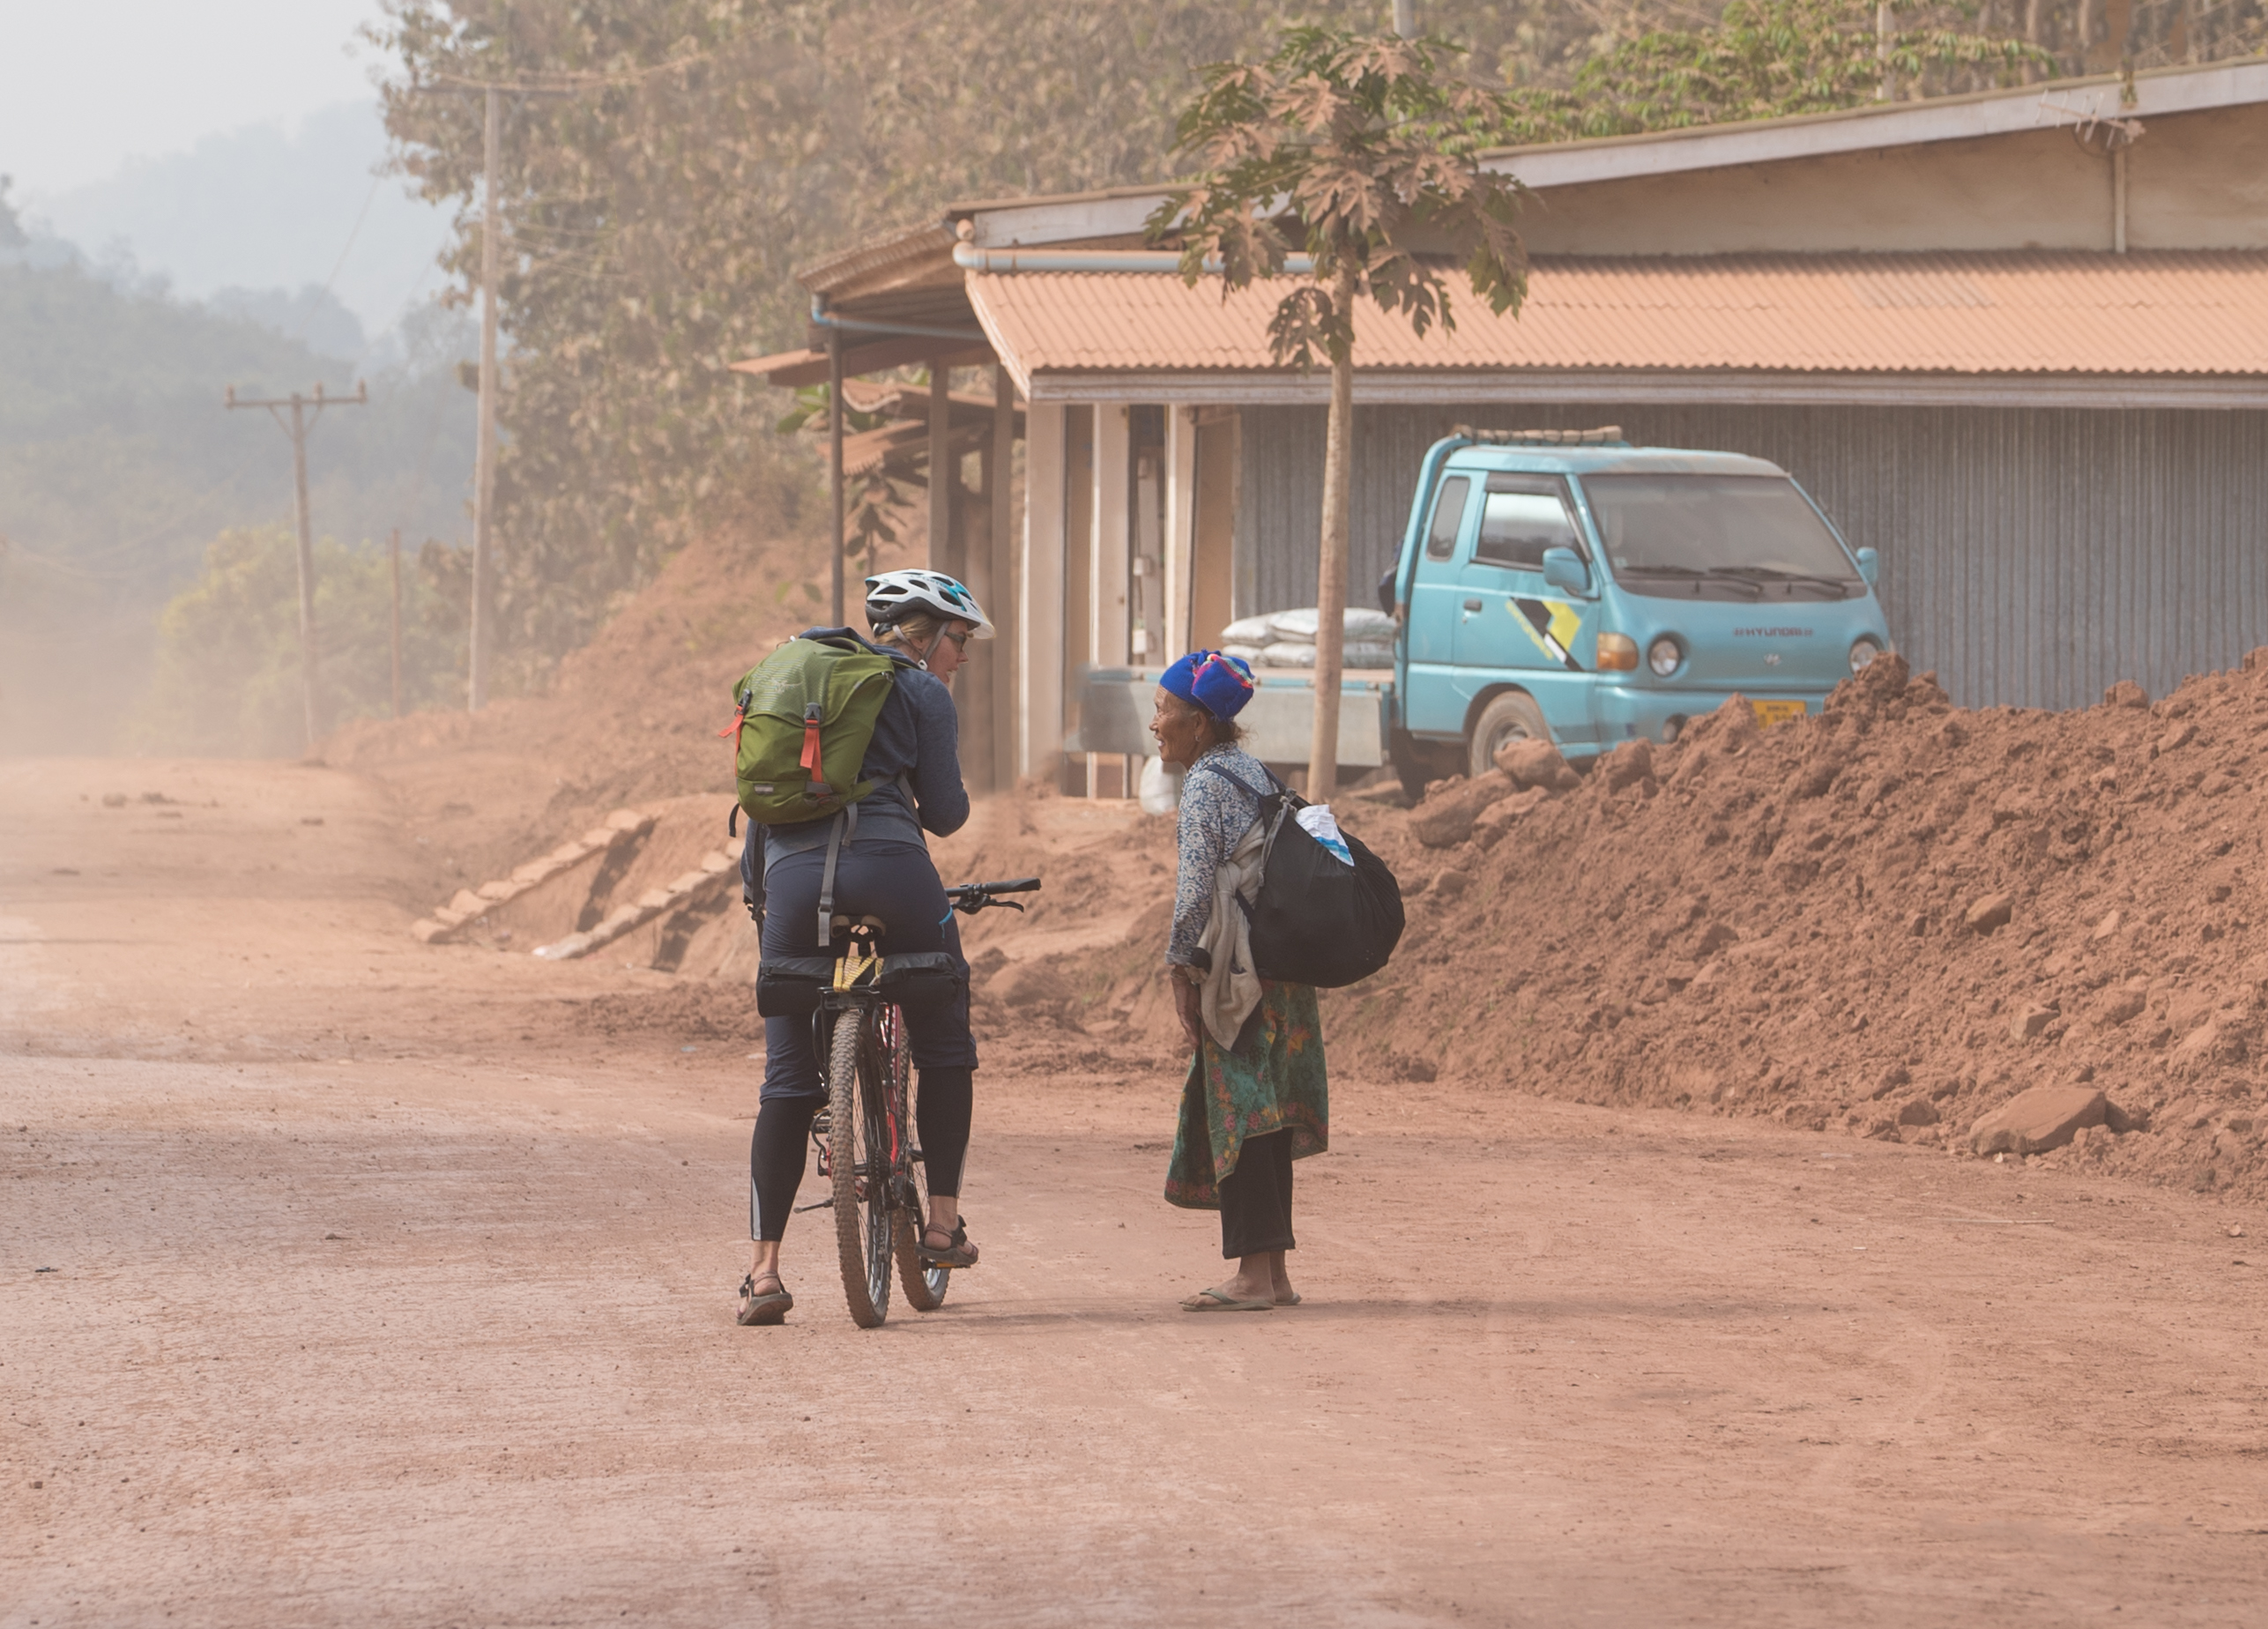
[916, 630]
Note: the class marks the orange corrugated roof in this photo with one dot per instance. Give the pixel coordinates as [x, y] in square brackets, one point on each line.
[2189, 312]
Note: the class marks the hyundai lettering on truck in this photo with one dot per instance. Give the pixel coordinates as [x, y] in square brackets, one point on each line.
[1565, 585]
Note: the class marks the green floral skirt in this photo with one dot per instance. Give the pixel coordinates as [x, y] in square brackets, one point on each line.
[1272, 1081]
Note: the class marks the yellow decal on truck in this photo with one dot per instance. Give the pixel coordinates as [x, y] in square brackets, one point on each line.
[1552, 624]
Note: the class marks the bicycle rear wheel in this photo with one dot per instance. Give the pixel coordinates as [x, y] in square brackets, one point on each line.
[858, 1159]
[924, 1287]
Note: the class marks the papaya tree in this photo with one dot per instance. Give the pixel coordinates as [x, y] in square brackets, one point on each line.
[1360, 155]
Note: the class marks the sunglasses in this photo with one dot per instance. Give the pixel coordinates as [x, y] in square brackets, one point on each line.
[959, 641]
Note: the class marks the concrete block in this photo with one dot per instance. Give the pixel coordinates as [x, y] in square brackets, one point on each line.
[2033, 1121]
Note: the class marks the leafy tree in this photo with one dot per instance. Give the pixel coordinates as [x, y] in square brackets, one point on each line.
[1363, 149]
[1767, 59]
[228, 681]
[695, 152]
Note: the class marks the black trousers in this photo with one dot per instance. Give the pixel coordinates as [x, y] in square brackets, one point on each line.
[1256, 1198]
[897, 882]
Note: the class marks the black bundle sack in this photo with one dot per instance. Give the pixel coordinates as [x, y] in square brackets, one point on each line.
[1318, 920]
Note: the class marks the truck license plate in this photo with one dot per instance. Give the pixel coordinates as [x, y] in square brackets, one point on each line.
[1769, 713]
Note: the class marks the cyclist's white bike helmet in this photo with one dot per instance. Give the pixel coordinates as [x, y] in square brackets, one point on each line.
[893, 594]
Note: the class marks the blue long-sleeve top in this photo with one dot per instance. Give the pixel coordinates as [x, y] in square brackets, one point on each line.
[1216, 811]
[916, 736]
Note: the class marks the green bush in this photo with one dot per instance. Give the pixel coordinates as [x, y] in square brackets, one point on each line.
[228, 680]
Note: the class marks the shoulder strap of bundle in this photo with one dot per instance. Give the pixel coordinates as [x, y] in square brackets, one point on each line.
[1235, 779]
[1282, 796]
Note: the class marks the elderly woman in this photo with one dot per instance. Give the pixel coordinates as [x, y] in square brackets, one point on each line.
[1256, 1098]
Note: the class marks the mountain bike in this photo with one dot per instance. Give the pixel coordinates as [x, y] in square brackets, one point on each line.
[864, 1137]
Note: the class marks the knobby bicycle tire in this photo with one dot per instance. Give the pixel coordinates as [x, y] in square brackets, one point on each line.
[856, 1152]
[924, 1287]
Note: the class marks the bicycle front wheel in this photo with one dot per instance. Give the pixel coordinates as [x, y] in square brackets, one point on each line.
[858, 1159]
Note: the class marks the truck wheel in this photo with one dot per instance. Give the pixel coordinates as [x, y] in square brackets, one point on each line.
[1512, 716]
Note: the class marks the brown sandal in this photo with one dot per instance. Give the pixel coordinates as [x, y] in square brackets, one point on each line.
[768, 1308]
[958, 1251]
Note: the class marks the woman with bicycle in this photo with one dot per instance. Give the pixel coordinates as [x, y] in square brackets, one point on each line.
[1257, 1097]
[923, 621]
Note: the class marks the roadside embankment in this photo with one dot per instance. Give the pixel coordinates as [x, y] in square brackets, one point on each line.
[1890, 919]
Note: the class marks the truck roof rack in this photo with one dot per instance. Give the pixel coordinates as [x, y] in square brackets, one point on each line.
[1605, 435]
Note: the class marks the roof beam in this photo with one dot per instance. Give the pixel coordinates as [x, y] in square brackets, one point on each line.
[792, 368]
[1433, 387]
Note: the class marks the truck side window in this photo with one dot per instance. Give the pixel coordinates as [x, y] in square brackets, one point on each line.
[1522, 516]
[1448, 517]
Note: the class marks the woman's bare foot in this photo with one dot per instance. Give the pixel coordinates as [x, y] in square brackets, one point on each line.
[1280, 1281]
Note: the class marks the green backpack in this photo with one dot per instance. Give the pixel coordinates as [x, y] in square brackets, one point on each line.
[807, 711]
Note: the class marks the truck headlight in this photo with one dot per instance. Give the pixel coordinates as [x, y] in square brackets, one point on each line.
[1663, 657]
[1864, 650]
[1617, 653]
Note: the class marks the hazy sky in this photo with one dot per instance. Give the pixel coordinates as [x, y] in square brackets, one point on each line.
[86, 84]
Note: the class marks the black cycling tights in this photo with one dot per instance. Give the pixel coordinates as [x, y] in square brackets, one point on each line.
[942, 1109]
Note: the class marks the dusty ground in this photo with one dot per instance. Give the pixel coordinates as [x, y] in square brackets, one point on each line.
[392, 1285]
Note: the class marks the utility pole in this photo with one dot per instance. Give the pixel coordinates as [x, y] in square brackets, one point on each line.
[484, 453]
[480, 636]
[395, 548]
[301, 422]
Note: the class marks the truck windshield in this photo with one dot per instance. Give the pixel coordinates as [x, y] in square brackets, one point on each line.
[1718, 537]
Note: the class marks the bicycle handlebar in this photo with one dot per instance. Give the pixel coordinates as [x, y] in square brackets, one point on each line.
[971, 897]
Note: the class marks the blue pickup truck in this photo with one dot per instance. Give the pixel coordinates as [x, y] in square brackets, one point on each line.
[1568, 586]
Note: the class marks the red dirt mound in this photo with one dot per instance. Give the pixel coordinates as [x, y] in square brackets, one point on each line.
[1889, 918]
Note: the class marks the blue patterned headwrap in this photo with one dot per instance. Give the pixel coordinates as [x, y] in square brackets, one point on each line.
[1219, 684]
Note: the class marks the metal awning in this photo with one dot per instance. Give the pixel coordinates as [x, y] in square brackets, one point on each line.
[2163, 329]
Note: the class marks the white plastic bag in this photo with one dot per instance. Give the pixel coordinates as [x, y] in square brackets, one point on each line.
[1317, 821]
[1160, 787]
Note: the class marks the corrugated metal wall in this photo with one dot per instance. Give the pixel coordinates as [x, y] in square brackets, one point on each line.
[2031, 557]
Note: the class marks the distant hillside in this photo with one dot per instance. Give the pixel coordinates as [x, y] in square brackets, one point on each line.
[118, 467]
[259, 207]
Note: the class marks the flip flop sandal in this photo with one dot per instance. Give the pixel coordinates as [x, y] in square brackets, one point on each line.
[1293, 1299]
[768, 1308]
[1214, 1301]
[960, 1253]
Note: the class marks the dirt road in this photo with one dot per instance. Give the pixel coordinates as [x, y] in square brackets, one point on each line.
[384, 1293]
